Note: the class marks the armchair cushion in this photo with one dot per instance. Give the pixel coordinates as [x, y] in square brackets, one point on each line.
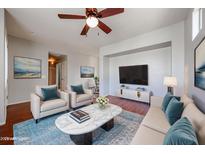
[83, 97]
[49, 93]
[88, 91]
[78, 89]
[52, 104]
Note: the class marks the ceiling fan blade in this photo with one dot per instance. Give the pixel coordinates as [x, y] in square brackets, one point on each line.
[70, 16]
[85, 30]
[110, 12]
[104, 27]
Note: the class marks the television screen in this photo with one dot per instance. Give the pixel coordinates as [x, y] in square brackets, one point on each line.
[137, 74]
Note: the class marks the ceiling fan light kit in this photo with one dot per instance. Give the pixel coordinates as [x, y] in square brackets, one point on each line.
[92, 22]
[92, 18]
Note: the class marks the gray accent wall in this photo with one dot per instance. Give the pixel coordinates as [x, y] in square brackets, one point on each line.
[197, 94]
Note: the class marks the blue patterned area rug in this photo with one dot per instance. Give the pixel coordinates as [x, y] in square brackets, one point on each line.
[46, 133]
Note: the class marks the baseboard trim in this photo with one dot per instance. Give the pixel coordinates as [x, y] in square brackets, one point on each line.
[19, 102]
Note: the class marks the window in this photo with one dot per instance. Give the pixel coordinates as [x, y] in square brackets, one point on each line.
[196, 22]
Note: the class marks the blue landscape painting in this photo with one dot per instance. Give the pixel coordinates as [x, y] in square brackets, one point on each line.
[27, 68]
[87, 71]
[200, 66]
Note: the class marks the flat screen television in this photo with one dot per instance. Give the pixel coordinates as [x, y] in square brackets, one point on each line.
[137, 74]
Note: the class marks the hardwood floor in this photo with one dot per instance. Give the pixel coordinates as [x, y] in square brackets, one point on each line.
[15, 114]
[21, 112]
[129, 105]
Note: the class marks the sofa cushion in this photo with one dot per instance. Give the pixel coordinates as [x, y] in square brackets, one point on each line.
[83, 97]
[49, 93]
[52, 104]
[197, 119]
[78, 89]
[174, 110]
[156, 119]
[186, 100]
[181, 133]
[147, 136]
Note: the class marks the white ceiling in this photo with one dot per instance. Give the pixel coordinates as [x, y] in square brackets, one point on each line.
[43, 25]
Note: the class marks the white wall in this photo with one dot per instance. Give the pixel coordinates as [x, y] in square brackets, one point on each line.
[173, 33]
[2, 68]
[20, 89]
[197, 94]
[159, 65]
[106, 64]
[74, 63]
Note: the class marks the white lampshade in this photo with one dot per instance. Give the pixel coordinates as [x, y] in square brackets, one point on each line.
[170, 81]
[92, 21]
[91, 83]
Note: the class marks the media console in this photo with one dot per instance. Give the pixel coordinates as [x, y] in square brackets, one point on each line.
[137, 95]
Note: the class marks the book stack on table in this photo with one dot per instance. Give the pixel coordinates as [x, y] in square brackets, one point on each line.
[79, 116]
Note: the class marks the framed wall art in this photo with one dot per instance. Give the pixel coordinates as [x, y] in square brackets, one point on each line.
[87, 72]
[199, 65]
[27, 68]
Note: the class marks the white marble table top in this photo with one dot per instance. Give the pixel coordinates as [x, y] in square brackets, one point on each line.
[98, 117]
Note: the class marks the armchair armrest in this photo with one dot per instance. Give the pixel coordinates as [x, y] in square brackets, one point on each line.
[73, 98]
[64, 95]
[35, 105]
[88, 91]
[156, 101]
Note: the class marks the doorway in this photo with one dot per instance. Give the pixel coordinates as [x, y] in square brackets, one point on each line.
[57, 70]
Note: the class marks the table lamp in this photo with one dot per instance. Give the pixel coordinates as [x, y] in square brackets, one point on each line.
[170, 82]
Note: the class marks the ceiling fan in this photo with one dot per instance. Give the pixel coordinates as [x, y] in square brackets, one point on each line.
[92, 18]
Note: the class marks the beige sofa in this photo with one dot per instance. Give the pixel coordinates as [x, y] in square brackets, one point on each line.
[155, 125]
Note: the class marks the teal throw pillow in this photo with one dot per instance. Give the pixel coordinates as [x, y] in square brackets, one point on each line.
[78, 89]
[49, 93]
[174, 110]
[166, 101]
[181, 133]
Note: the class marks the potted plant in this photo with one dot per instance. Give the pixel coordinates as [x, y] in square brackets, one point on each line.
[102, 101]
[96, 80]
